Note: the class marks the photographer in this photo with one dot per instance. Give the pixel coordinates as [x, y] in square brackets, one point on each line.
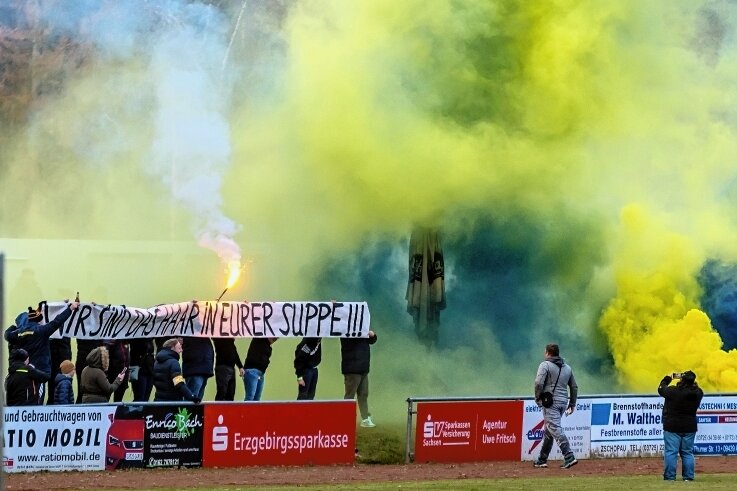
[679, 423]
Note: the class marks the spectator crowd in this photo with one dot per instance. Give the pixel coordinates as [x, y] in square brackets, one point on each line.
[173, 369]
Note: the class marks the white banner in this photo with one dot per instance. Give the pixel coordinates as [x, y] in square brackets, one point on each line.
[55, 438]
[217, 320]
[576, 427]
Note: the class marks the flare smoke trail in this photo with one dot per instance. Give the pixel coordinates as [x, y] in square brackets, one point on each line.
[155, 97]
[577, 157]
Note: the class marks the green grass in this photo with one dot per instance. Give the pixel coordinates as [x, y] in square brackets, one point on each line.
[380, 445]
[628, 483]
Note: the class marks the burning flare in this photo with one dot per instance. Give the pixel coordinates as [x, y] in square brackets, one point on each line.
[234, 273]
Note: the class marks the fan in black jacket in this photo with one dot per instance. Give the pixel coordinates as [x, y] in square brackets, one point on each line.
[23, 380]
[168, 379]
[355, 364]
[307, 355]
[679, 423]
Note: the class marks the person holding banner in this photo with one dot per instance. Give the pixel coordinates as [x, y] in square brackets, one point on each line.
[226, 361]
[555, 392]
[33, 336]
[255, 365]
[307, 355]
[198, 358]
[355, 363]
[168, 379]
[23, 380]
[679, 423]
[141, 372]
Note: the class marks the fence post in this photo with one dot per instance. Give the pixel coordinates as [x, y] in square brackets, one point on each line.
[2, 355]
[408, 442]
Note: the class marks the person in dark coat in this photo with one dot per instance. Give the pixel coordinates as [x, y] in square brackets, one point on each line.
[679, 423]
[64, 392]
[307, 356]
[84, 348]
[60, 349]
[119, 360]
[168, 378]
[141, 372]
[23, 380]
[95, 382]
[255, 365]
[198, 358]
[226, 360]
[355, 354]
[33, 336]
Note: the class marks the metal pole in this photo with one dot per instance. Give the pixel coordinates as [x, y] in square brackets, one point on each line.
[2, 357]
[408, 442]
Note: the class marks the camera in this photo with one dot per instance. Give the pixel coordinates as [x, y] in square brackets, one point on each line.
[677, 375]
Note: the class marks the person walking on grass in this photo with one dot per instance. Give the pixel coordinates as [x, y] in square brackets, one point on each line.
[555, 392]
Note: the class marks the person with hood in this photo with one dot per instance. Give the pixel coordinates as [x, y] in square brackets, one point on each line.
[555, 392]
[226, 361]
[198, 358]
[84, 348]
[355, 355]
[119, 353]
[307, 356]
[679, 423]
[23, 380]
[30, 334]
[64, 391]
[168, 379]
[257, 361]
[95, 385]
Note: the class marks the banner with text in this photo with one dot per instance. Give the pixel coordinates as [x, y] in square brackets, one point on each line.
[279, 433]
[216, 319]
[627, 427]
[577, 428]
[55, 438]
[717, 420]
[468, 431]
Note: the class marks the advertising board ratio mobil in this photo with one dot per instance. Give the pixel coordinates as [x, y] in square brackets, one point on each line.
[291, 433]
[468, 431]
[55, 438]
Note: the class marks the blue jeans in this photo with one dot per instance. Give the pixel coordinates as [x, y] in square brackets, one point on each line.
[196, 384]
[254, 380]
[675, 444]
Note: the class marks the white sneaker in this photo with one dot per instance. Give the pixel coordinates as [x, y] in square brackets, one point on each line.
[368, 422]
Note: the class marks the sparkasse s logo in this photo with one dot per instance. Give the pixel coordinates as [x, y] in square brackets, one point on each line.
[432, 429]
[220, 436]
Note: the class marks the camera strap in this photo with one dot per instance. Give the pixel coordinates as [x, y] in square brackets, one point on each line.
[560, 369]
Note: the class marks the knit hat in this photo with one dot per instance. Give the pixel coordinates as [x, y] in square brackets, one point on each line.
[66, 367]
[19, 354]
[34, 315]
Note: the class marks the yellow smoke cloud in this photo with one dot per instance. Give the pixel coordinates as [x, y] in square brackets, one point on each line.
[653, 325]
